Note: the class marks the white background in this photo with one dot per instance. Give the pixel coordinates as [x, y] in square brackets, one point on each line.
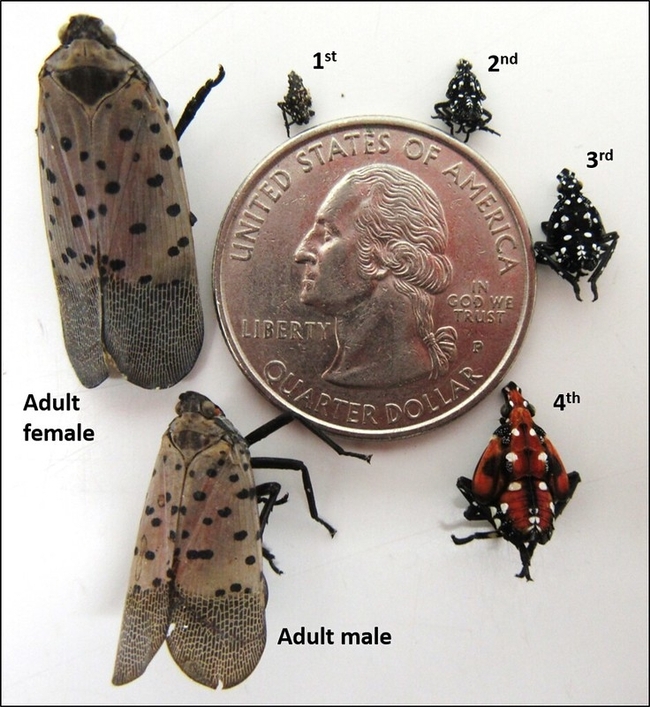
[465, 630]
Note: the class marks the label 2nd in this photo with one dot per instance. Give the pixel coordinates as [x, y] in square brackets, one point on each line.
[497, 61]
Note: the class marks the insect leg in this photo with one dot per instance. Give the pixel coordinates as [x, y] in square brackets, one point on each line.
[612, 239]
[487, 117]
[192, 108]
[475, 510]
[482, 535]
[284, 419]
[277, 463]
[442, 113]
[543, 255]
[267, 494]
[331, 443]
[295, 465]
[287, 124]
[270, 557]
[526, 554]
[547, 231]
[268, 428]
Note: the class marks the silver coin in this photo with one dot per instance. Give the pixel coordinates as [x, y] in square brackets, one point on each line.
[375, 276]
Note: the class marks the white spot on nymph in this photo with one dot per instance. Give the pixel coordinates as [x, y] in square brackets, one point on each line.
[514, 486]
[493, 510]
[504, 507]
[532, 432]
[551, 505]
[497, 523]
[511, 457]
[543, 486]
[534, 520]
[568, 237]
[542, 456]
[514, 432]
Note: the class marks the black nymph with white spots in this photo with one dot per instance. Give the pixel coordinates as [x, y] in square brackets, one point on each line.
[465, 105]
[577, 243]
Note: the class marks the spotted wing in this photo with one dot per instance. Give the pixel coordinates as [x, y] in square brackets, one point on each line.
[152, 317]
[64, 138]
[217, 625]
[147, 606]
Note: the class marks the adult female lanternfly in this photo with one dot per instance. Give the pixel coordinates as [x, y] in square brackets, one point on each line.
[117, 213]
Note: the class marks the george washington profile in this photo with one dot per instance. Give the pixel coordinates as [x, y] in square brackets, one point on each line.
[375, 259]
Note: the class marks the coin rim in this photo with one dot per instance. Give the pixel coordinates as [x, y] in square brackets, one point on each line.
[505, 192]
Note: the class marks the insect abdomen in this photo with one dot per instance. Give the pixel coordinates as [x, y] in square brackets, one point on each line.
[528, 506]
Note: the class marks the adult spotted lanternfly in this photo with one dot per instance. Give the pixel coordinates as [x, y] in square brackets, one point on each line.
[296, 104]
[577, 243]
[116, 211]
[465, 105]
[520, 484]
[196, 579]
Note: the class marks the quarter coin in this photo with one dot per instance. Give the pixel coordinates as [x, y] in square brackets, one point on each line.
[375, 276]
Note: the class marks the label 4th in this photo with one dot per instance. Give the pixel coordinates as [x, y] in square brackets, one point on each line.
[564, 399]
